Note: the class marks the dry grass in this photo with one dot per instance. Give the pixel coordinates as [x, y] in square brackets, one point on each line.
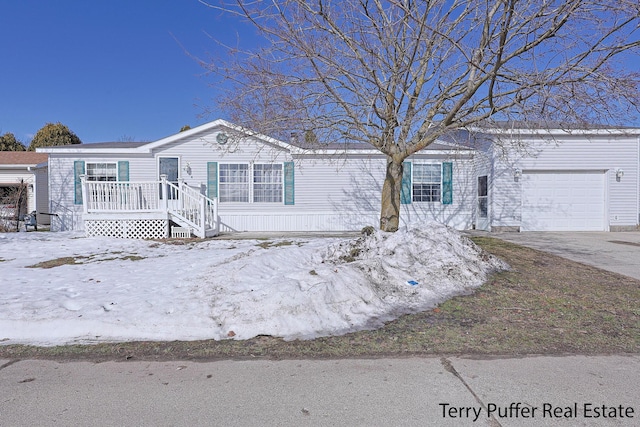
[80, 259]
[544, 305]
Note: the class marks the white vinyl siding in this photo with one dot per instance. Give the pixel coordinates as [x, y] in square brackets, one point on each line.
[570, 153]
[331, 193]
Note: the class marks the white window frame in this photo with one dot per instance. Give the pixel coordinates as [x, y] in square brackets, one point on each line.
[227, 189]
[250, 185]
[272, 189]
[96, 177]
[428, 196]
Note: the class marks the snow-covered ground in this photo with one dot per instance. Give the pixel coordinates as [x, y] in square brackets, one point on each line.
[122, 290]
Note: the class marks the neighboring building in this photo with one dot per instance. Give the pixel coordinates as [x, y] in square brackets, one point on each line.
[560, 180]
[30, 168]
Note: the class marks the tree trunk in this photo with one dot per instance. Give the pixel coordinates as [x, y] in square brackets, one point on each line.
[391, 189]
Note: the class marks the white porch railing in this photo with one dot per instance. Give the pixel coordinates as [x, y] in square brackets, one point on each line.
[185, 205]
[193, 207]
[124, 196]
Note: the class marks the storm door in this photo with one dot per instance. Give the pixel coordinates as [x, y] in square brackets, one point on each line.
[169, 166]
[482, 210]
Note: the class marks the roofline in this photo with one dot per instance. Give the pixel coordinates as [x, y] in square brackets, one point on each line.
[25, 166]
[293, 149]
[147, 148]
[70, 149]
[370, 152]
[557, 131]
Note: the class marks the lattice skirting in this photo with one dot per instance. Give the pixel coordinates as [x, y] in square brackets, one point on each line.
[128, 228]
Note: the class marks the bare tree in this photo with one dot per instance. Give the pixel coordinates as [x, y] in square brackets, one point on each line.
[398, 74]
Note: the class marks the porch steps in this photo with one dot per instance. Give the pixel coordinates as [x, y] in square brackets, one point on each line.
[180, 232]
[130, 208]
[185, 224]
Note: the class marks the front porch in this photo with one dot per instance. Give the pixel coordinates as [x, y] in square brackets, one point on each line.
[146, 209]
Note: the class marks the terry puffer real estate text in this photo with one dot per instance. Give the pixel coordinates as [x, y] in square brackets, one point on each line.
[546, 410]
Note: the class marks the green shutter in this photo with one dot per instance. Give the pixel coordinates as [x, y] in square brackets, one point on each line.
[78, 169]
[212, 180]
[289, 184]
[447, 183]
[123, 170]
[405, 192]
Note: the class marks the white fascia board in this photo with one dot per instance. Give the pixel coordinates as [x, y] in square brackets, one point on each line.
[147, 148]
[89, 151]
[542, 132]
[373, 152]
[298, 151]
[19, 166]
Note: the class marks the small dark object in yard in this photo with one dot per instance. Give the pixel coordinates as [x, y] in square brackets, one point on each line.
[231, 334]
[30, 220]
[368, 230]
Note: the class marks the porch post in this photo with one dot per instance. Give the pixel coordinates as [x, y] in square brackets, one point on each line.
[163, 191]
[85, 200]
[181, 200]
[215, 215]
[203, 217]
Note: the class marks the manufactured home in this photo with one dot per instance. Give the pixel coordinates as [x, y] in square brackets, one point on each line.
[218, 177]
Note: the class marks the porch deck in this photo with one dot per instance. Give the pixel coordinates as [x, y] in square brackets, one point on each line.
[145, 209]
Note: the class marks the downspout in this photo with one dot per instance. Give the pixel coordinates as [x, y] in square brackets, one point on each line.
[638, 180]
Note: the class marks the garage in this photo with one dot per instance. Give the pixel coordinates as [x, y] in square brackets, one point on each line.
[563, 201]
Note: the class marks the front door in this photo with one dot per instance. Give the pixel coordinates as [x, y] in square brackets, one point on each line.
[169, 166]
[482, 209]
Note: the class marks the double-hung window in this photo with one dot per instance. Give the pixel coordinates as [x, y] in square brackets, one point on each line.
[256, 183]
[234, 183]
[102, 172]
[427, 182]
[267, 183]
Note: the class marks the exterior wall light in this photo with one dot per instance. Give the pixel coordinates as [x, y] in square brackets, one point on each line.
[187, 168]
[619, 174]
[517, 174]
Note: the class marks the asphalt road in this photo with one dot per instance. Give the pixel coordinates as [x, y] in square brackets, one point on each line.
[538, 391]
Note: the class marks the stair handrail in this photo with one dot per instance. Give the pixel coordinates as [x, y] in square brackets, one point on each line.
[195, 208]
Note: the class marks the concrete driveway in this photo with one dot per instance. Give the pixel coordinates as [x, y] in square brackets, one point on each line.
[616, 252]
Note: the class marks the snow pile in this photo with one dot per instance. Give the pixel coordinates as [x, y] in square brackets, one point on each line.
[121, 290]
[352, 285]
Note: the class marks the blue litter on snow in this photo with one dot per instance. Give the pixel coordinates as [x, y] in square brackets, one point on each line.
[412, 282]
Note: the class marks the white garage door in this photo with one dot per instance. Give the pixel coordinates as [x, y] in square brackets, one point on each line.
[563, 201]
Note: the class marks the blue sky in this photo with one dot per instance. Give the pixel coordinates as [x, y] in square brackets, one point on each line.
[109, 70]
